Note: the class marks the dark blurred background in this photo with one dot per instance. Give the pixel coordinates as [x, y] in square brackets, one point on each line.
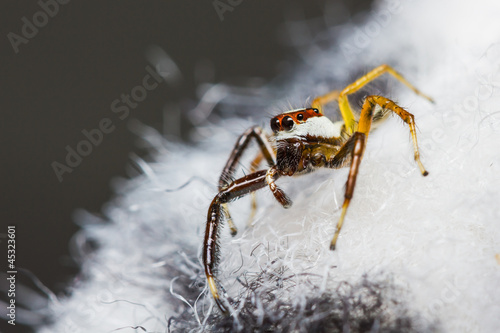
[65, 76]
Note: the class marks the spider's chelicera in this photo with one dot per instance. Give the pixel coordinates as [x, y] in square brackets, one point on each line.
[302, 141]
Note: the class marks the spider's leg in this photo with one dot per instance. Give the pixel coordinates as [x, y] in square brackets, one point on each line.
[234, 190]
[239, 148]
[232, 227]
[353, 149]
[365, 121]
[319, 101]
[253, 206]
[266, 151]
[356, 146]
[345, 109]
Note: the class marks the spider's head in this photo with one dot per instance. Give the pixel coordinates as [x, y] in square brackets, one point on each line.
[290, 120]
[304, 124]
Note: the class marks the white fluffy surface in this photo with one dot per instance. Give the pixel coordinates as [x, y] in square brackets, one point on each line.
[437, 238]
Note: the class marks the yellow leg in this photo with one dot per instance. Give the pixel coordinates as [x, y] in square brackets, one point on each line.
[339, 224]
[407, 117]
[253, 206]
[213, 289]
[319, 101]
[358, 147]
[229, 219]
[359, 142]
[345, 109]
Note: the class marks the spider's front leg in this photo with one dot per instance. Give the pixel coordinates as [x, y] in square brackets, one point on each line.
[241, 145]
[355, 146]
[232, 191]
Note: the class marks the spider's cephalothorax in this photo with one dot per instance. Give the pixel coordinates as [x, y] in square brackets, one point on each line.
[302, 140]
[305, 139]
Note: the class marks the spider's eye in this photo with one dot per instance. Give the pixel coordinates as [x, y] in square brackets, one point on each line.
[316, 110]
[287, 123]
[300, 116]
[275, 125]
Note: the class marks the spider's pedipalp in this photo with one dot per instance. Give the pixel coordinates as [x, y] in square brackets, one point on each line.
[271, 176]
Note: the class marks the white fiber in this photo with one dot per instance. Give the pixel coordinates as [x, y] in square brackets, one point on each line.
[435, 239]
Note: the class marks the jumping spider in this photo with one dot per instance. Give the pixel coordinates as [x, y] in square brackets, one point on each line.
[302, 141]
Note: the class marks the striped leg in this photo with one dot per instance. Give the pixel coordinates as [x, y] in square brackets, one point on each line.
[236, 189]
[266, 152]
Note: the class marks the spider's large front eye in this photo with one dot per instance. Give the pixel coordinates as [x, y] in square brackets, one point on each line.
[287, 123]
[275, 125]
